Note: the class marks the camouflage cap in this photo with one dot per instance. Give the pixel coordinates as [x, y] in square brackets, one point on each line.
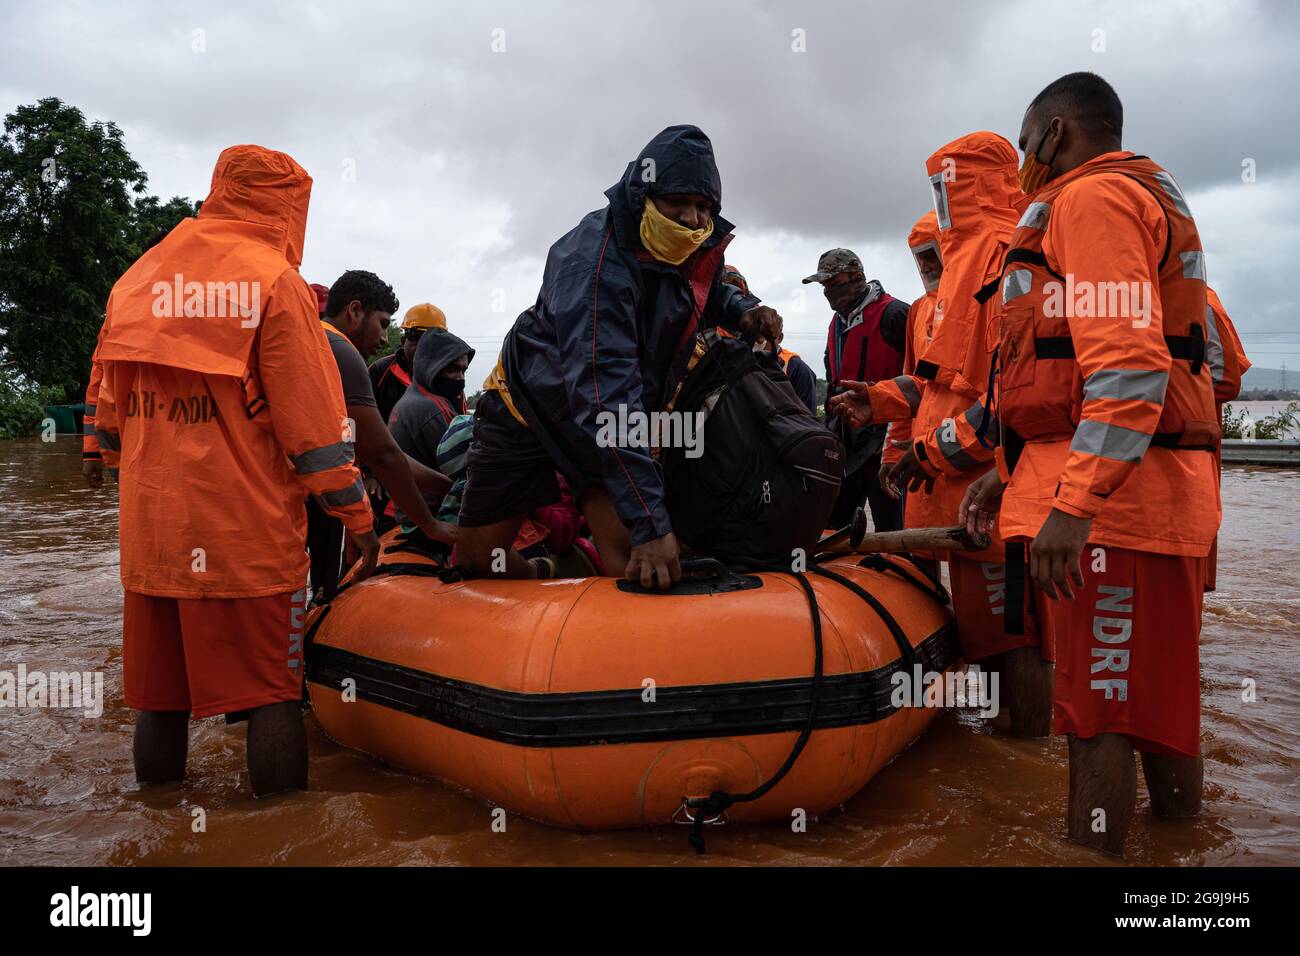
[833, 263]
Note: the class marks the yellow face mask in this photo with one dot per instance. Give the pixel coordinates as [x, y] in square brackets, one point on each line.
[669, 241]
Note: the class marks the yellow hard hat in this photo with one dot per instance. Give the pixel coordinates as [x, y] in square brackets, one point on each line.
[426, 315]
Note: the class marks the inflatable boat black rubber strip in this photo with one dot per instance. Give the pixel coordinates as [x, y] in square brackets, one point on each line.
[621, 716]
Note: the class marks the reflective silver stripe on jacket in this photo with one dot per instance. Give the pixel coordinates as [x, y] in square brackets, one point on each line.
[1035, 216]
[952, 450]
[1213, 347]
[1016, 284]
[323, 458]
[340, 499]
[975, 415]
[1170, 186]
[109, 440]
[1144, 385]
[1193, 264]
[1110, 441]
[910, 391]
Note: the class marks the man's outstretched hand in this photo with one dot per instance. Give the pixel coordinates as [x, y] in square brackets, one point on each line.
[853, 404]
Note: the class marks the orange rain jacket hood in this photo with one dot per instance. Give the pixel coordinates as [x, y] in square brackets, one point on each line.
[977, 201]
[896, 401]
[219, 401]
[253, 222]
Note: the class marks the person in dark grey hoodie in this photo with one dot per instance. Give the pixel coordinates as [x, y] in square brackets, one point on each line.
[435, 396]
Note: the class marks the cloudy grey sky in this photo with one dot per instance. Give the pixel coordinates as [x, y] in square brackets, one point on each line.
[451, 143]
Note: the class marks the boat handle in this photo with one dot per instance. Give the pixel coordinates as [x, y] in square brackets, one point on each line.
[696, 575]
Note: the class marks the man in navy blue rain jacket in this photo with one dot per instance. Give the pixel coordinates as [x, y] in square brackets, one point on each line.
[622, 296]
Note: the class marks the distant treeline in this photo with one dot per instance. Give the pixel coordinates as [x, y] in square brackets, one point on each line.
[1269, 395]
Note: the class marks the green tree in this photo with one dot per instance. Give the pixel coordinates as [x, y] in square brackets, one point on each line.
[391, 344]
[74, 215]
[153, 219]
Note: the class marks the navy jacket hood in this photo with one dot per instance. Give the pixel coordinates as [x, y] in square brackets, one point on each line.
[678, 160]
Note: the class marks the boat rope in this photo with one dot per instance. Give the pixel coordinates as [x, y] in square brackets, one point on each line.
[719, 801]
[931, 586]
[900, 638]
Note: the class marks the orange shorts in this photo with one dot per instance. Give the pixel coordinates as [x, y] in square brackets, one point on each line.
[211, 655]
[979, 602]
[1128, 656]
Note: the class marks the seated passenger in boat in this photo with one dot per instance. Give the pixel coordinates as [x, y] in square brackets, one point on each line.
[435, 396]
[622, 295]
[554, 538]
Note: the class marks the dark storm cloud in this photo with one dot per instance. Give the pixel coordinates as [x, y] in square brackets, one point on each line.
[478, 133]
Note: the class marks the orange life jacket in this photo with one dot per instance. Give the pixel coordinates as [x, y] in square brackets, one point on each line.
[1041, 387]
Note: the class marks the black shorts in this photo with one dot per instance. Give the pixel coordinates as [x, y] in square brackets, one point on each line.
[509, 473]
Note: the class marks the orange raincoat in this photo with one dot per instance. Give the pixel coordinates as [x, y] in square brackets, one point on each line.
[1228, 363]
[1223, 351]
[896, 400]
[977, 199]
[219, 399]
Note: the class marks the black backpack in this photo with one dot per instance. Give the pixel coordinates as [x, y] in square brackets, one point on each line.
[768, 473]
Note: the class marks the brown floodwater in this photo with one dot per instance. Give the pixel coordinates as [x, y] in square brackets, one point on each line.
[965, 793]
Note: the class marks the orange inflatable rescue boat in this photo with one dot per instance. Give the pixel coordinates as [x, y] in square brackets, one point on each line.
[589, 704]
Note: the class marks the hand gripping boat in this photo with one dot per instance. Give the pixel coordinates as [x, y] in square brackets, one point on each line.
[590, 704]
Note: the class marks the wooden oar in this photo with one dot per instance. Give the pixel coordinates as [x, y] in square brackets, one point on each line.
[954, 538]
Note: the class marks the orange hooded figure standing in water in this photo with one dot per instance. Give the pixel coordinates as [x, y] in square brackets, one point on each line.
[1226, 357]
[220, 406]
[977, 202]
[896, 400]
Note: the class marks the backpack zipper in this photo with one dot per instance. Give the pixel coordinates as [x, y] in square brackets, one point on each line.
[816, 475]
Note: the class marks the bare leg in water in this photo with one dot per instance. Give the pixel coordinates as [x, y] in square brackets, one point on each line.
[1103, 791]
[277, 748]
[161, 743]
[1028, 682]
[1174, 784]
